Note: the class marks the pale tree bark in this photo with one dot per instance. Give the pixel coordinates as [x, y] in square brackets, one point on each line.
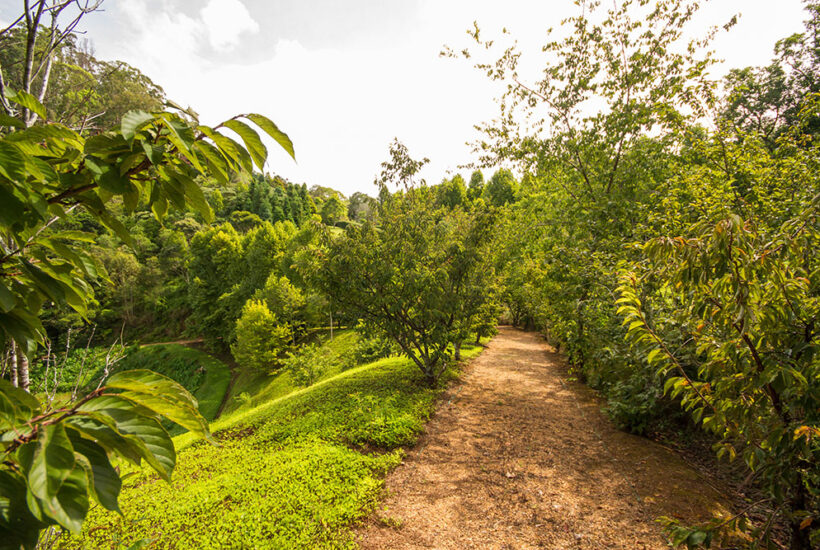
[13, 363]
[22, 370]
[457, 350]
[32, 66]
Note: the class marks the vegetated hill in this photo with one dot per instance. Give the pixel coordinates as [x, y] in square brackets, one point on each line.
[254, 388]
[293, 472]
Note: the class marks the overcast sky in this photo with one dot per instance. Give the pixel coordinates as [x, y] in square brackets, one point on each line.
[343, 78]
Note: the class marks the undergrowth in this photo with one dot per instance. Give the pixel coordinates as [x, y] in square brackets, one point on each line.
[290, 473]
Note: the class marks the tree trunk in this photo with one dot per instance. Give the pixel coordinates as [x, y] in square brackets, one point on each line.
[22, 371]
[457, 350]
[13, 361]
[800, 537]
[477, 338]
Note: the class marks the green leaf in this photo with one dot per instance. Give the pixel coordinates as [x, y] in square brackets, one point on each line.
[103, 430]
[28, 101]
[106, 484]
[135, 420]
[55, 478]
[256, 148]
[186, 416]
[230, 149]
[132, 122]
[18, 527]
[194, 195]
[215, 161]
[7, 298]
[15, 400]
[273, 131]
[109, 178]
[12, 162]
[52, 461]
[12, 209]
[70, 505]
[161, 395]
[10, 122]
[146, 381]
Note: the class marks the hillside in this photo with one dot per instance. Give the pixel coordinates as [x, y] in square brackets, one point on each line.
[295, 471]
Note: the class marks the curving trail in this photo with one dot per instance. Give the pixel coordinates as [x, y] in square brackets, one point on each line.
[517, 457]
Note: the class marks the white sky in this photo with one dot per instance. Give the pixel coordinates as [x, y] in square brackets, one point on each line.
[344, 78]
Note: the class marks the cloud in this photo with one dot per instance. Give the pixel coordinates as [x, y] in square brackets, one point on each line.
[342, 105]
[225, 21]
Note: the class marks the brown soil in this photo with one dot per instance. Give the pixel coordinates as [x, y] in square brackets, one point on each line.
[518, 457]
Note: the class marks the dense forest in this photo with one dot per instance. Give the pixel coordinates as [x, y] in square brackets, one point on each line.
[658, 227]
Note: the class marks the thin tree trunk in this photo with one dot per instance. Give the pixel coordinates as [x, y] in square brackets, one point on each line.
[4, 104]
[13, 361]
[800, 537]
[457, 350]
[22, 370]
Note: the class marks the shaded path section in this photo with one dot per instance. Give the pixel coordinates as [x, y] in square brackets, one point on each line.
[517, 457]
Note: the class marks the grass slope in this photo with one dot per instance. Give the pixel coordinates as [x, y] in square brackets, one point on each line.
[261, 388]
[289, 473]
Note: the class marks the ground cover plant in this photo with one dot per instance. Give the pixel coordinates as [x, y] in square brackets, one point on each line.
[294, 472]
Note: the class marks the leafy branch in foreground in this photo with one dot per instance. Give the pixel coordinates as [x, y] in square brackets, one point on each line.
[56, 461]
[56, 458]
[747, 304]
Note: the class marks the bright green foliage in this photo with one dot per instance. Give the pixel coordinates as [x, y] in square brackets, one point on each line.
[261, 340]
[452, 193]
[501, 189]
[227, 269]
[361, 207]
[333, 211]
[306, 365]
[282, 298]
[717, 224]
[48, 172]
[286, 475]
[476, 186]
[263, 387]
[215, 266]
[56, 462]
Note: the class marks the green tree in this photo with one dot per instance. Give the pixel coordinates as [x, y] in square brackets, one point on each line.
[306, 366]
[56, 457]
[501, 189]
[406, 278]
[261, 341]
[333, 210]
[452, 193]
[216, 268]
[361, 207]
[476, 187]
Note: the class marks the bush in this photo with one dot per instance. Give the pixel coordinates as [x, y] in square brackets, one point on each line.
[370, 349]
[306, 365]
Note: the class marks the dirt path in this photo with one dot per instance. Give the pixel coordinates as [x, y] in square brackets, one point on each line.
[517, 458]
